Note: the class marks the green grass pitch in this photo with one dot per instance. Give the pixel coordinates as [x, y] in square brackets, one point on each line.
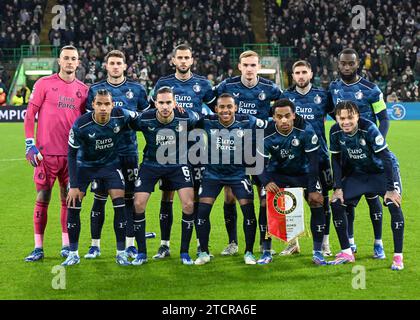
[225, 277]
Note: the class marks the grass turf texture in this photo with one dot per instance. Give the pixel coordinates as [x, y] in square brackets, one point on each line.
[292, 277]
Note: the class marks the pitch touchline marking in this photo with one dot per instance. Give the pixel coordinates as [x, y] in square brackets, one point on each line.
[20, 159]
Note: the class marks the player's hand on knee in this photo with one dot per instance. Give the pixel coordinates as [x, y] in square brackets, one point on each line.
[73, 196]
[315, 199]
[338, 196]
[32, 153]
[393, 196]
[272, 187]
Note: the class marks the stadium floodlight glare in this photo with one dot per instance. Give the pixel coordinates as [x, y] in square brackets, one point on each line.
[267, 71]
[38, 72]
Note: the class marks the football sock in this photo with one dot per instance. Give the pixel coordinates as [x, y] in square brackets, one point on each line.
[317, 226]
[262, 222]
[203, 225]
[231, 217]
[97, 216]
[340, 223]
[63, 220]
[195, 216]
[350, 220]
[73, 225]
[40, 222]
[166, 219]
[139, 223]
[187, 230]
[119, 222]
[249, 226]
[375, 211]
[397, 226]
[129, 212]
[327, 212]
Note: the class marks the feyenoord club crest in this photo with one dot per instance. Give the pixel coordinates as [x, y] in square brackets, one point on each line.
[281, 200]
[358, 95]
[196, 88]
[285, 213]
[94, 185]
[295, 142]
[78, 94]
[129, 94]
[362, 142]
[317, 99]
[117, 129]
[179, 128]
[262, 96]
[240, 133]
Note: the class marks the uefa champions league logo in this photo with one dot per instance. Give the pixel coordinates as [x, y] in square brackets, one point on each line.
[398, 112]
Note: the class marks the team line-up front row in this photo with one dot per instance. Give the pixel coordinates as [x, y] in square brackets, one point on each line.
[361, 161]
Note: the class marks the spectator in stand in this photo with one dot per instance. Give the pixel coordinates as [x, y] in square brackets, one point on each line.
[3, 97]
[17, 99]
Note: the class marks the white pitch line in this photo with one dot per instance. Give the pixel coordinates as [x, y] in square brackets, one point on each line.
[5, 160]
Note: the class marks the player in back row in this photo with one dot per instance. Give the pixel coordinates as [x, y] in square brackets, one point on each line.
[253, 95]
[369, 99]
[313, 104]
[58, 100]
[191, 91]
[132, 96]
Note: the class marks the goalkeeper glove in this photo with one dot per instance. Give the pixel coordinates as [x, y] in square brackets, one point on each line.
[32, 153]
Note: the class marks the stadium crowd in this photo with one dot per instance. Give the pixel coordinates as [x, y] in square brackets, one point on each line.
[209, 26]
[319, 30]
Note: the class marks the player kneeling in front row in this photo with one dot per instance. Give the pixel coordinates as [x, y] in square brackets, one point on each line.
[161, 160]
[358, 144]
[226, 136]
[92, 158]
[292, 145]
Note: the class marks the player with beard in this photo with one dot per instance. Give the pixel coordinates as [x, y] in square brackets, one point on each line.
[369, 100]
[130, 95]
[58, 100]
[313, 104]
[190, 91]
